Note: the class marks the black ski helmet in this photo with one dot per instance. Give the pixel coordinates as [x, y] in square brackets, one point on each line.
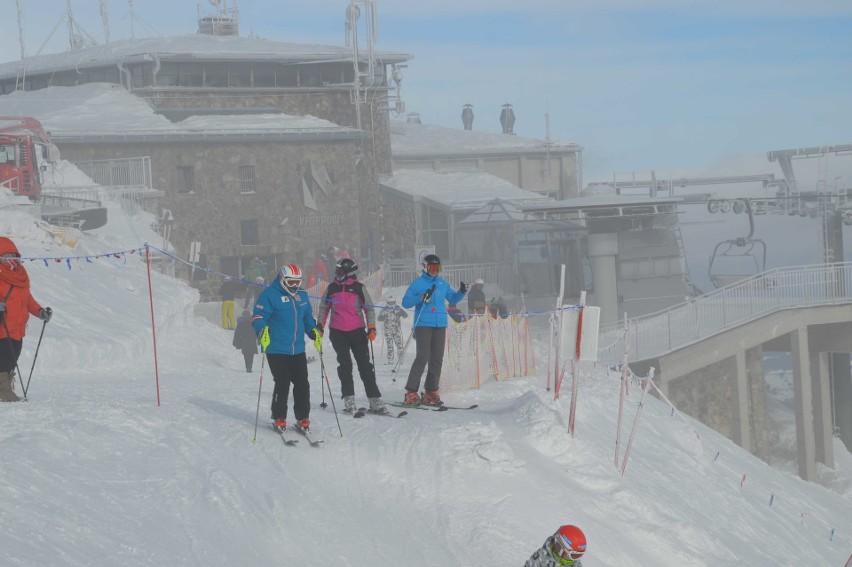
[431, 260]
[346, 268]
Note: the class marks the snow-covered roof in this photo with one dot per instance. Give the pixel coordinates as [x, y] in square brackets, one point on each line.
[196, 47]
[602, 201]
[412, 140]
[103, 110]
[459, 190]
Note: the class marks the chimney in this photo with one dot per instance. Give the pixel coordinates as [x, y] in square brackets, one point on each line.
[467, 116]
[507, 119]
[413, 118]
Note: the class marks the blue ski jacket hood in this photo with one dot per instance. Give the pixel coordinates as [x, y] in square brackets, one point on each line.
[435, 313]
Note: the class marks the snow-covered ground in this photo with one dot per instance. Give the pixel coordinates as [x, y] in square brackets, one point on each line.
[96, 473]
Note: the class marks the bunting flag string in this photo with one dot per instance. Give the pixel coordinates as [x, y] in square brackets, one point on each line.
[89, 258]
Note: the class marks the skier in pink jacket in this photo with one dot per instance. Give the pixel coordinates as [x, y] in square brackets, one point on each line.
[350, 308]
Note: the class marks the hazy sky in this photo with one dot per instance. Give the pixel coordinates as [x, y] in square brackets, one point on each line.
[640, 84]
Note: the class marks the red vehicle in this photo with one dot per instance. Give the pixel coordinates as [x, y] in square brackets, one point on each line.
[24, 145]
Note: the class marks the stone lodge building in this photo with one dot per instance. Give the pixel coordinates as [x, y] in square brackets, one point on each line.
[257, 145]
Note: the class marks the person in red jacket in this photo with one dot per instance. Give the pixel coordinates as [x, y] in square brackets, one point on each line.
[16, 306]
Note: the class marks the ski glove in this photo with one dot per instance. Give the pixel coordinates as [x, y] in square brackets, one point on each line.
[318, 340]
[427, 296]
[2, 306]
[45, 314]
[371, 332]
[264, 339]
[463, 287]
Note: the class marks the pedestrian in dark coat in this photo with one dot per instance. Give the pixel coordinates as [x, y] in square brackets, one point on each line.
[245, 339]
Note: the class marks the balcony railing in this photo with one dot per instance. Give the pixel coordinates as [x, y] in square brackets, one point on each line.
[659, 333]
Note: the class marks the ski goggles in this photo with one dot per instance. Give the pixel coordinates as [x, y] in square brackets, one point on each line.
[564, 552]
[291, 283]
[433, 269]
[11, 259]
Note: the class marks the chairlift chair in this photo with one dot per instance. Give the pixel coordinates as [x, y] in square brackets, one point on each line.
[739, 258]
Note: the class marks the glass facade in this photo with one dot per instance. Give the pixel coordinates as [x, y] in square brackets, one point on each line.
[213, 74]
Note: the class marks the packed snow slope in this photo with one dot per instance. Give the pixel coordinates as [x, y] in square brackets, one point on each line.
[96, 473]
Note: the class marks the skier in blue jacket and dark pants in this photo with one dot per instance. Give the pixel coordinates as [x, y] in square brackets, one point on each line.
[285, 311]
[429, 294]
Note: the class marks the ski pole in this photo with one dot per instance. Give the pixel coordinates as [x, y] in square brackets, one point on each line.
[408, 340]
[15, 358]
[330, 395]
[35, 357]
[259, 388]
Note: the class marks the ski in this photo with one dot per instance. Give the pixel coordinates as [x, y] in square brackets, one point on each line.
[282, 433]
[421, 407]
[363, 411]
[473, 406]
[307, 435]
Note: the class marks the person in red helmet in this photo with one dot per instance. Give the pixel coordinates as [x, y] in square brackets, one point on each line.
[565, 547]
[16, 306]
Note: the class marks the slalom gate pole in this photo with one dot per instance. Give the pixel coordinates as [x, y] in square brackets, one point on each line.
[259, 388]
[636, 421]
[153, 326]
[12, 352]
[330, 395]
[35, 357]
[575, 369]
[625, 373]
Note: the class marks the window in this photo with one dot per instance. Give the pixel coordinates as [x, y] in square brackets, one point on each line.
[309, 76]
[189, 75]
[249, 235]
[286, 76]
[7, 153]
[186, 179]
[216, 74]
[264, 74]
[246, 179]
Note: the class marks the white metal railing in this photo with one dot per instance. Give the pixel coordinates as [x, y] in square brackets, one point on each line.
[659, 333]
[133, 172]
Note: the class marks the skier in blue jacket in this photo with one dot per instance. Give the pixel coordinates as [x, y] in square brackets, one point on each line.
[284, 312]
[429, 295]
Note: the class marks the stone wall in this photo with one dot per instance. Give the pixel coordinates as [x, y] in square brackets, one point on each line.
[288, 230]
[707, 395]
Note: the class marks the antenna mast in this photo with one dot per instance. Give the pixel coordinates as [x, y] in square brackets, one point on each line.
[105, 19]
[353, 13]
[21, 29]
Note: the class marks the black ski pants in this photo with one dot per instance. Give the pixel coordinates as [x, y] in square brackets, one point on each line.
[10, 350]
[290, 369]
[354, 342]
[430, 350]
